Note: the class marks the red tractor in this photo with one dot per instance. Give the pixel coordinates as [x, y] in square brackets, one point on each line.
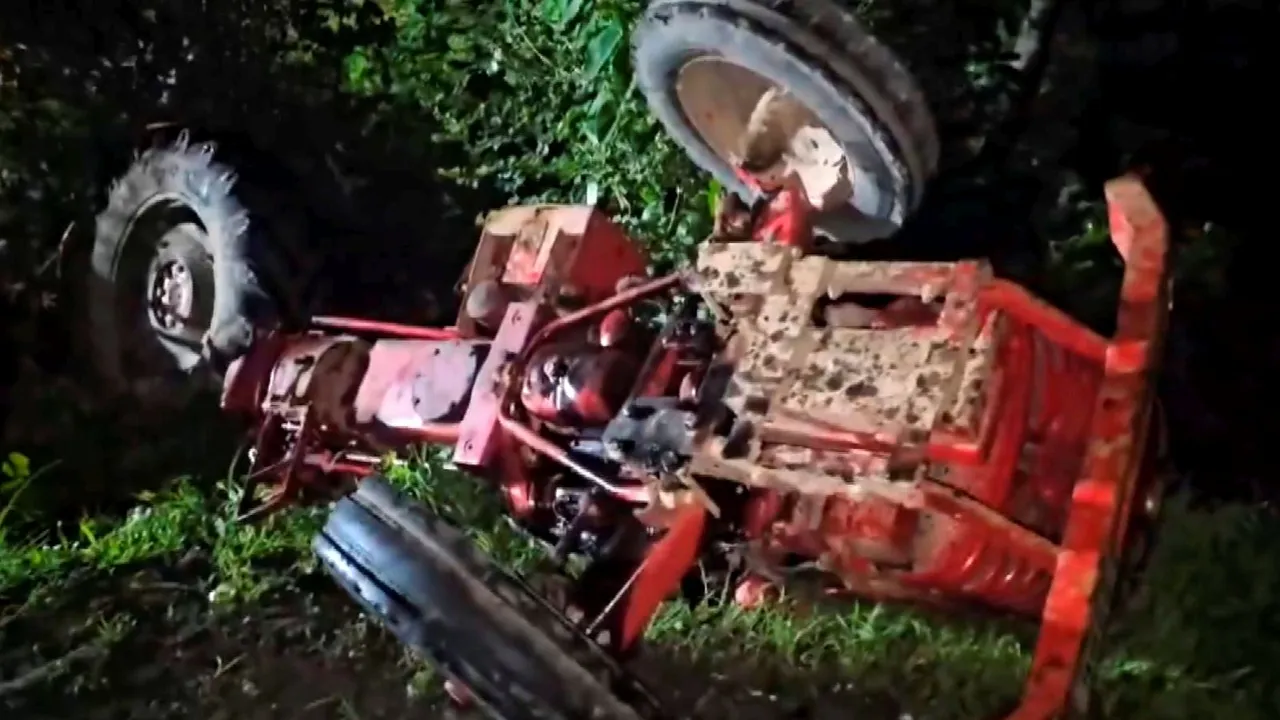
[916, 431]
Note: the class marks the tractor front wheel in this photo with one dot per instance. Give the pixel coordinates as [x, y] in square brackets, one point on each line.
[705, 65]
[517, 657]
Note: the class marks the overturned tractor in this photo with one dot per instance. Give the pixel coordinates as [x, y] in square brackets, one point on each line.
[914, 431]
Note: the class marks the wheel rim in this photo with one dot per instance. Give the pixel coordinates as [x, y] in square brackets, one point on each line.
[164, 290]
[718, 98]
[180, 286]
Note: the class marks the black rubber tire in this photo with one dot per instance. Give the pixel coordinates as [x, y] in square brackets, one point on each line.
[820, 53]
[253, 287]
[428, 584]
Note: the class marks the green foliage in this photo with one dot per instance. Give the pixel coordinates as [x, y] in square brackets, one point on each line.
[428, 478]
[16, 476]
[16, 467]
[537, 96]
[16, 473]
[1083, 271]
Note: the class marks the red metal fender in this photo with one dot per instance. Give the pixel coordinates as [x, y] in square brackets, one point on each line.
[661, 571]
[1080, 598]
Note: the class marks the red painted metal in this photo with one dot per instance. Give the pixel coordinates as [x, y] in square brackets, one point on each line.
[392, 330]
[660, 572]
[549, 252]
[1102, 500]
[576, 385]
[481, 433]
[623, 299]
[785, 217]
[1015, 495]
[526, 436]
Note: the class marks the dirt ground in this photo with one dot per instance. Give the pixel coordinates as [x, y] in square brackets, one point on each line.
[149, 644]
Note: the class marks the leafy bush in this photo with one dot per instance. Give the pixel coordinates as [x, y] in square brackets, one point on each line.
[537, 99]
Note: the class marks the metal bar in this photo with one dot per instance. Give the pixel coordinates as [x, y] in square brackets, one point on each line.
[630, 493]
[398, 330]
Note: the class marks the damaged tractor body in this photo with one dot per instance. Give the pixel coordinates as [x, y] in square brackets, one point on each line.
[919, 432]
[923, 432]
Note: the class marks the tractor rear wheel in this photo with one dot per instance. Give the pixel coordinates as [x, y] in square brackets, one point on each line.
[182, 274]
[704, 65]
[484, 629]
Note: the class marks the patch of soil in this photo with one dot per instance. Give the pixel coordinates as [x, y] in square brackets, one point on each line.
[735, 687]
[302, 654]
[148, 644]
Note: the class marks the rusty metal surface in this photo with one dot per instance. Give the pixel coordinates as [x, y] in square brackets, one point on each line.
[320, 373]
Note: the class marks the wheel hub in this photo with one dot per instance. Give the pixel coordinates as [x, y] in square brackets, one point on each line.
[179, 289]
[750, 122]
[172, 293]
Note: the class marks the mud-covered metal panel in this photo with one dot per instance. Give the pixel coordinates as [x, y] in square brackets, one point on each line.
[795, 376]
[747, 268]
[967, 410]
[873, 380]
[807, 472]
[771, 341]
[723, 270]
[927, 280]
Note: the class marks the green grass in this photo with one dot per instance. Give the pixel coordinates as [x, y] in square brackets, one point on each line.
[1195, 644]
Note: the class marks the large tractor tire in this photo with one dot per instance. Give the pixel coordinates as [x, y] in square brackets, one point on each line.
[703, 66]
[425, 581]
[184, 270]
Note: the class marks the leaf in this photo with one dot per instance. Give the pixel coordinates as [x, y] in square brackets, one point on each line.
[603, 47]
[357, 69]
[714, 191]
[570, 12]
[553, 11]
[595, 113]
[17, 466]
[561, 13]
[17, 460]
[357, 64]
